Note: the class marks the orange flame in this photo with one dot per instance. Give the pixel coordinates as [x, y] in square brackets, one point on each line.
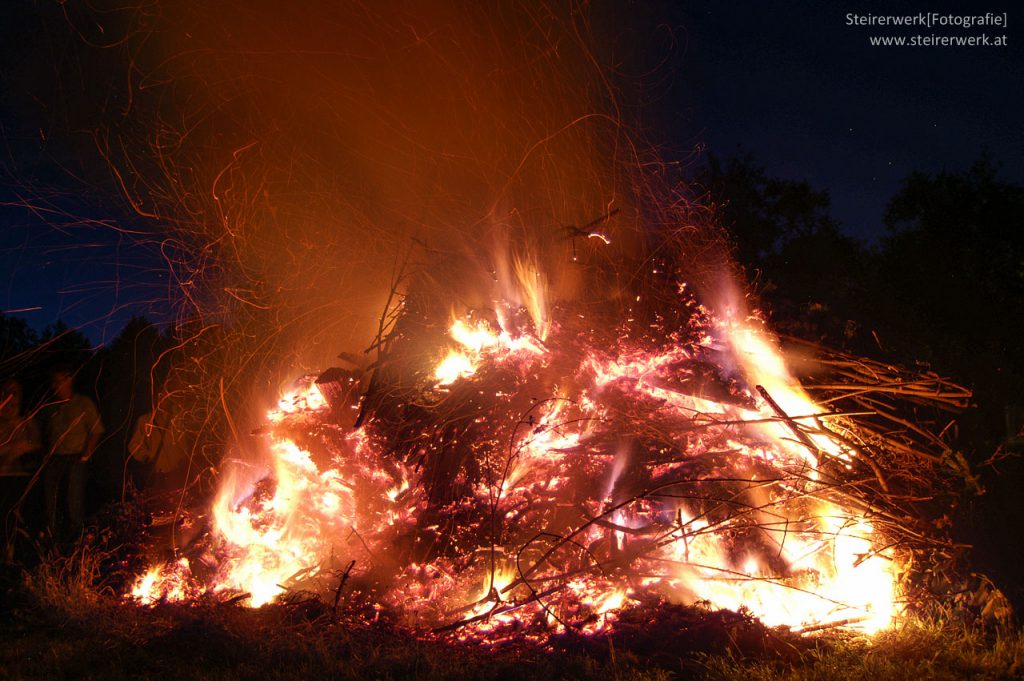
[813, 563]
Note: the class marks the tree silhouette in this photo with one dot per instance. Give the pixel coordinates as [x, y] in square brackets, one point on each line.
[945, 287]
[954, 263]
[763, 213]
[16, 337]
[812, 277]
[60, 345]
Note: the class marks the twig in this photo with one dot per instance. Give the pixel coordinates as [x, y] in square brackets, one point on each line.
[341, 585]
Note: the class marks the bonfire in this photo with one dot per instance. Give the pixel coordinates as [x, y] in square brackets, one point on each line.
[535, 466]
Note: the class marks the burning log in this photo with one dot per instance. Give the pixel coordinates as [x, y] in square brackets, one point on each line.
[341, 388]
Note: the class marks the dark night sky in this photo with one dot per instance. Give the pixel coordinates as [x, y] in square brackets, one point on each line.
[789, 82]
[811, 99]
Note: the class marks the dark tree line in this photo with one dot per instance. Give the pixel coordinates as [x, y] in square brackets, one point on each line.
[943, 289]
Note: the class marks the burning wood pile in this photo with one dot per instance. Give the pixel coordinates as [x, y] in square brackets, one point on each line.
[536, 466]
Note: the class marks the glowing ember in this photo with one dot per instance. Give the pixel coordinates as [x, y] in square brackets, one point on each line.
[694, 470]
[167, 582]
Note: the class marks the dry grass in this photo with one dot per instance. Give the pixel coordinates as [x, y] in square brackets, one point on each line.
[59, 622]
[940, 645]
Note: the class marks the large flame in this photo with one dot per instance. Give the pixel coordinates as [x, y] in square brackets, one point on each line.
[779, 546]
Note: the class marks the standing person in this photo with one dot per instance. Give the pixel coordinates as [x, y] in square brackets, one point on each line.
[73, 429]
[19, 441]
[19, 434]
[160, 440]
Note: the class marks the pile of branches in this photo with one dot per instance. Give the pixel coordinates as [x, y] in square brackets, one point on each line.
[571, 517]
[902, 425]
[587, 474]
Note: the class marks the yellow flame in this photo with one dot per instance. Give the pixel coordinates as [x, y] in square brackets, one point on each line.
[474, 338]
[479, 341]
[310, 517]
[454, 366]
[762, 363]
[837, 578]
[165, 582]
[533, 287]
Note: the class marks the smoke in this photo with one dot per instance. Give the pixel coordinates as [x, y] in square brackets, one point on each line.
[297, 160]
[331, 144]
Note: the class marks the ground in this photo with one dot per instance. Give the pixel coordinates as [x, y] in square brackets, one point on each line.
[56, 623]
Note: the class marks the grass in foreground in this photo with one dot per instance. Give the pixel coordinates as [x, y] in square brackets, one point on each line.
[928, 647]
[56, 623]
